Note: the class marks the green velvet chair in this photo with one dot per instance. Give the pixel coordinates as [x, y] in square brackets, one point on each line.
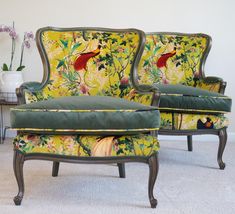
[83, 111]
[190, 103]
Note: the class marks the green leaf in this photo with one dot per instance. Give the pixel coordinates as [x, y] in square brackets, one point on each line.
[65, 75]
[75, 47]
[123, 43]
[114, 40]
[156, 49]
[64, 42]
[5, 67]
[20, 68]
[146, 62]
[120, 151]
[148, 46]
[61, 63]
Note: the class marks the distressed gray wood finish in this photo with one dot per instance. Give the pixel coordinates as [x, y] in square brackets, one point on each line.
[19, 159]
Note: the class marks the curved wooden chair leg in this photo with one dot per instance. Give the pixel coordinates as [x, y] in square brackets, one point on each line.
[153, 171]
[121, 169]
[18, 164]
[222, 144]
[55, 168]
[190, 143]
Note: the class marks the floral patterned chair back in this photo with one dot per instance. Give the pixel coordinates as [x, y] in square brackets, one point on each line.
[174, 58]
[88, 61]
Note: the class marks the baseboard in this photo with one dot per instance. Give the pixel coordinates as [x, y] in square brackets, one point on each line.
[207, 138]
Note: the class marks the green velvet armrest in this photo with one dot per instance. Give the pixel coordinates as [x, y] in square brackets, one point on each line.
[211, 83]
[148, 88]
[31, 86]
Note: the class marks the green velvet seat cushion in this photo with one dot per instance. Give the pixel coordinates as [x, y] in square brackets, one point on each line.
[85, 115]
[190, 99]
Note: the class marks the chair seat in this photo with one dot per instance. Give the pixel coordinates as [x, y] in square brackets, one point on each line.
[85, 115]
[189, 99]
[87, 146]
[189, 121]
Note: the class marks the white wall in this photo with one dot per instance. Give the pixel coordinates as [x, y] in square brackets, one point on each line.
[214, 17]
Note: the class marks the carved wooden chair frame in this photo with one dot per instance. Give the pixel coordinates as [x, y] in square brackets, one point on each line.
[20, 158]
[221, 133]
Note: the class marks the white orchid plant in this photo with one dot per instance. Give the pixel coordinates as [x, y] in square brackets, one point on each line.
[28, 38]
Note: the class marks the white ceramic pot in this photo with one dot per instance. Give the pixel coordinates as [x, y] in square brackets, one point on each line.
[9, 81]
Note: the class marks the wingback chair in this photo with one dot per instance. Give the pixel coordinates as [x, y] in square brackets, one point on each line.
[190, 103]
[83, 110]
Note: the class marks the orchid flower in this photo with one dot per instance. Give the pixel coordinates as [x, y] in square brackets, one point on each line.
[28, 38]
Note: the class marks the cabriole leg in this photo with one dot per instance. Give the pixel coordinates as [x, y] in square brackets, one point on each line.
[55, 168]
[121, 169]
[153, 171]
[222, 144]
[190, 143]
[18, 164]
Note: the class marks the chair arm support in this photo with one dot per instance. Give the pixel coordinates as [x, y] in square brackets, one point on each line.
[212, 79]
[150, 89]
[31, 86]
[212, 82]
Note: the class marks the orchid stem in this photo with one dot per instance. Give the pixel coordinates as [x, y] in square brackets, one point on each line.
[22, 52]
[12, 49]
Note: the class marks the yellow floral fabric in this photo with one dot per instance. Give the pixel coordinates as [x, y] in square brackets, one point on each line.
[29, 97]
[90, 62]
[83, 63]
[214, 87]
[192, 121]
[172, 59]
[87, 146]
[176, 59]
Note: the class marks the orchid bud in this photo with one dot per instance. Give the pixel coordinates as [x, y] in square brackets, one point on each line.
[13, 34]
[27, 44]
[30, 35]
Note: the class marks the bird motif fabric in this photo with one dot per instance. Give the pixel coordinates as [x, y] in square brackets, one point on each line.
[207, 125]
[81, 61]
[162, 61]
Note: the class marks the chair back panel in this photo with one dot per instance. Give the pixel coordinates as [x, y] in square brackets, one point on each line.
[173, 58]
[88, 61]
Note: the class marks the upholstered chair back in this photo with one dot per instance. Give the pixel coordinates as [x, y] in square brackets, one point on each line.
[88, 61]
[173, 58]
